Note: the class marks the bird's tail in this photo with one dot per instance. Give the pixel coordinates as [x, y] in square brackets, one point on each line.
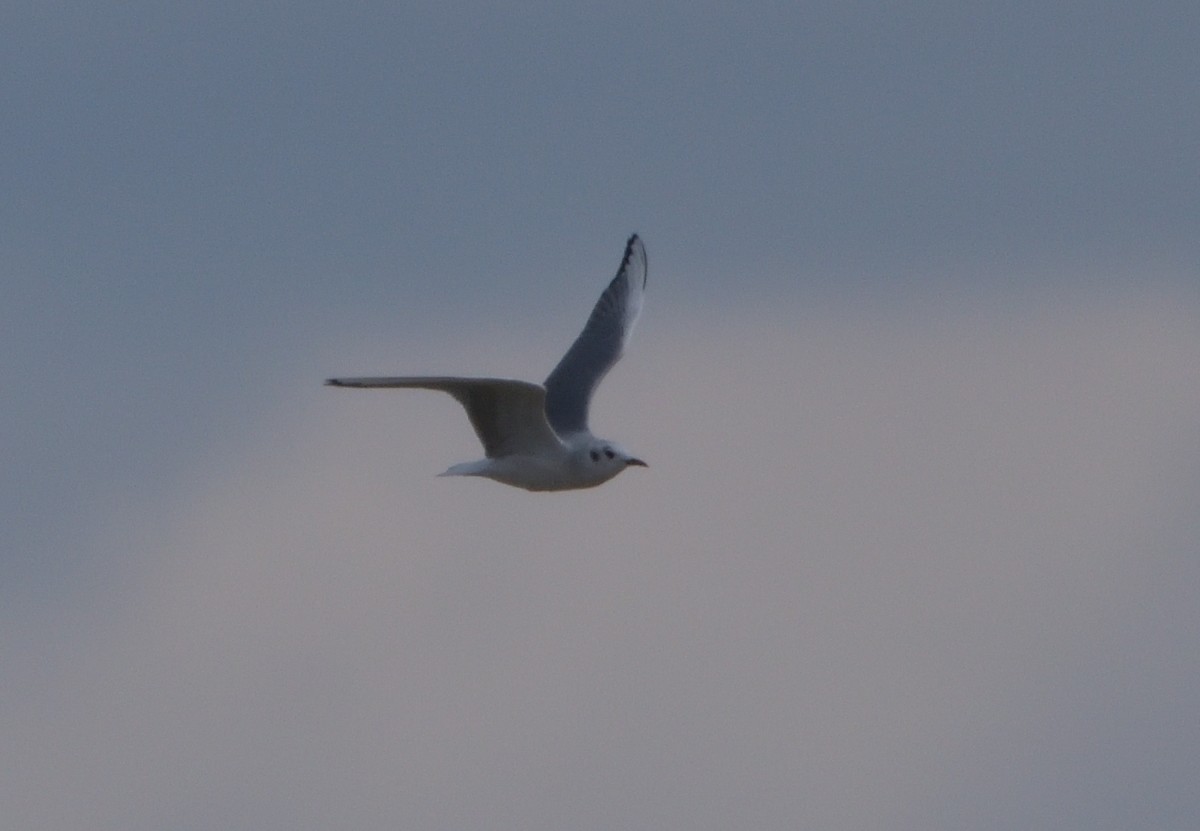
[478, 468]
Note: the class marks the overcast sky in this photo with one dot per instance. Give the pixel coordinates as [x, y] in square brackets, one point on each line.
[918, 381]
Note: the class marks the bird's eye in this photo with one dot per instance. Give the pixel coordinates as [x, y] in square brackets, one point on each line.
[595, 455]
[608, 451]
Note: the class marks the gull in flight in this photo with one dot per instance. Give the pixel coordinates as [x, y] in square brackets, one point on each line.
[536, 436]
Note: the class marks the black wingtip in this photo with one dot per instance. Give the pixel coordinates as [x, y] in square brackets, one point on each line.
[628, 250]
[332, 382]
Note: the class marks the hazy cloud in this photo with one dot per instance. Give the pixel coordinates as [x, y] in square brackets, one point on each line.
[926, 573]
[917, 381]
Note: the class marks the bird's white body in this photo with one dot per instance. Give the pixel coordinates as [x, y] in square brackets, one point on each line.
[536, 436]
[571, 469]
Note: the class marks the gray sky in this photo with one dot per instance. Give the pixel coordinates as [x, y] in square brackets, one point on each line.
[918, 381]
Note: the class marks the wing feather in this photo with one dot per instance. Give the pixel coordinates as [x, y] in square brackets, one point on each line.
[599, 346]
[508, 416]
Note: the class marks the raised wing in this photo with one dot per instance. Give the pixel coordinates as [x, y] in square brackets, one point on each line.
[570, 386]
[508, 416]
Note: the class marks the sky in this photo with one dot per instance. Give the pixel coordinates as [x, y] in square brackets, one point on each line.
[917, 378]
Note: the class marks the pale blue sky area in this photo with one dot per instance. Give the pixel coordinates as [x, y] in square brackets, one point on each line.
[209, 209]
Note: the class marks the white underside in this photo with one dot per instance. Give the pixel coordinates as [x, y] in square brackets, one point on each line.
[535, 473]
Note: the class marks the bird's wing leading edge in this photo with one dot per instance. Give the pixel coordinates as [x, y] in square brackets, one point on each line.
[599, 346]
[508, 416]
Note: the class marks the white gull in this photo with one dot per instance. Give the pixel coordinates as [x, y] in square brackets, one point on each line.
[536, 436]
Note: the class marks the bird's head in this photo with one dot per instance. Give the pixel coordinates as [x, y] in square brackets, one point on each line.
[608, 459]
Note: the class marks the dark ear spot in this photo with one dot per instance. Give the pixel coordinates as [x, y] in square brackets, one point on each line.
[595, 455]
[608, 451]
